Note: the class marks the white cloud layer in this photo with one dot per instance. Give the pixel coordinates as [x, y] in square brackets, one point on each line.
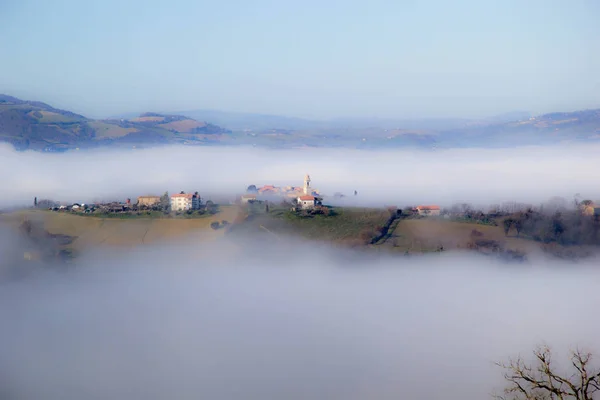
[245, 321]
[400, 177]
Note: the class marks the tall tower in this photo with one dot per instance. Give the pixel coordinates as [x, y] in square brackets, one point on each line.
[307, 184]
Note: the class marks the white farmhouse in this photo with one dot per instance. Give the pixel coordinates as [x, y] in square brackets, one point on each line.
[246, 198]
[185, 201]
[306, 202]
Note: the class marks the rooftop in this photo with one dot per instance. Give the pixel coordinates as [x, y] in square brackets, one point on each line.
[185, 195]
[428, 207]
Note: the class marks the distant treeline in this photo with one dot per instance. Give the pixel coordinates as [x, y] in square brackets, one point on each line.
[563, 227]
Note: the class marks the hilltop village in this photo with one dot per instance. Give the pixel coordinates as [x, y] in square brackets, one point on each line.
[506, 230]
[305, 197]
[299, 198]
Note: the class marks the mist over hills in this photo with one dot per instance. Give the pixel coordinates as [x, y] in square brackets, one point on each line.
[33, 125]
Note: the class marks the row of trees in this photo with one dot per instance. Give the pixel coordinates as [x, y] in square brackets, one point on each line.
[568, 228]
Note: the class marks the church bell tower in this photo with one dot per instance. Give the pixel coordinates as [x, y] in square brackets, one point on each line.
[307, 184]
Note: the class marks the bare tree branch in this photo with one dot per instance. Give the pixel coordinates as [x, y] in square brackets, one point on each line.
[542, 381]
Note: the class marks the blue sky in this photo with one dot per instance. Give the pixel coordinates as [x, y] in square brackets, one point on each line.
[311, 58]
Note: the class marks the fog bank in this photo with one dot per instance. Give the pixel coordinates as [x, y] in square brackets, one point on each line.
[399, 177]
[237, 321]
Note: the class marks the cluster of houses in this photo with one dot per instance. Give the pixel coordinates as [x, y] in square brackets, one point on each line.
[177, 202]
[305, 197]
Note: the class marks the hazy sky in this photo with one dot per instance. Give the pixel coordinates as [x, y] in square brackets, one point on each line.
[303, 58]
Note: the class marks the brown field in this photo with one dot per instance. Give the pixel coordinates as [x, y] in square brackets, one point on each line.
[104, 130]
[183, 126]
[429, 234]
[127, 232]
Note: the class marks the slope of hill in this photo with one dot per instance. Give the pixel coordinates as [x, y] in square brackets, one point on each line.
[246, 121]
[38, 126]
[507, 130]
[358, 228]
[261, 122]
[89, 232]
[580, 126]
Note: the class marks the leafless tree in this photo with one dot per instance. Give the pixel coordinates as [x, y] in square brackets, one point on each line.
[543, 381]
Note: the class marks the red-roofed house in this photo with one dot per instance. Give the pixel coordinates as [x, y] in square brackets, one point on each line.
[268, 189]
[307, 202]
[428, 210]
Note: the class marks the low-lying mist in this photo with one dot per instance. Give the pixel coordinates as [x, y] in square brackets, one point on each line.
[398, 177]
[258, 320]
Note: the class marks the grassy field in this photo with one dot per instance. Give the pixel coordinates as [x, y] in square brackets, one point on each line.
[413, 235]
[108, 131]
[346, 226]
[144, 215]
[123, 231]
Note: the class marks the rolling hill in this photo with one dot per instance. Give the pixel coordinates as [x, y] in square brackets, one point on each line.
[31, 125]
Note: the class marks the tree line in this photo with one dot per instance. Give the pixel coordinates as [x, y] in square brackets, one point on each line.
[563, 227]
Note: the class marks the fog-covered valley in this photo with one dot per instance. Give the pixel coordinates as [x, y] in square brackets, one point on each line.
[247, 320]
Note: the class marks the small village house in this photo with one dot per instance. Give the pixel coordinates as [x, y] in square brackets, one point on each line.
[587, 208]
[306, 202]
[148, 201]
[428, 210]
[185, 201]
[246, 198]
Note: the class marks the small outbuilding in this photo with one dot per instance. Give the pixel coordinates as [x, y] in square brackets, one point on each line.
[428, 210]
[307, 202]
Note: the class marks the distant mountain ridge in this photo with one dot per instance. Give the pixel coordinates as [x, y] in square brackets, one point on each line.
[33, 125]
[38, 126]
[247, 121]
